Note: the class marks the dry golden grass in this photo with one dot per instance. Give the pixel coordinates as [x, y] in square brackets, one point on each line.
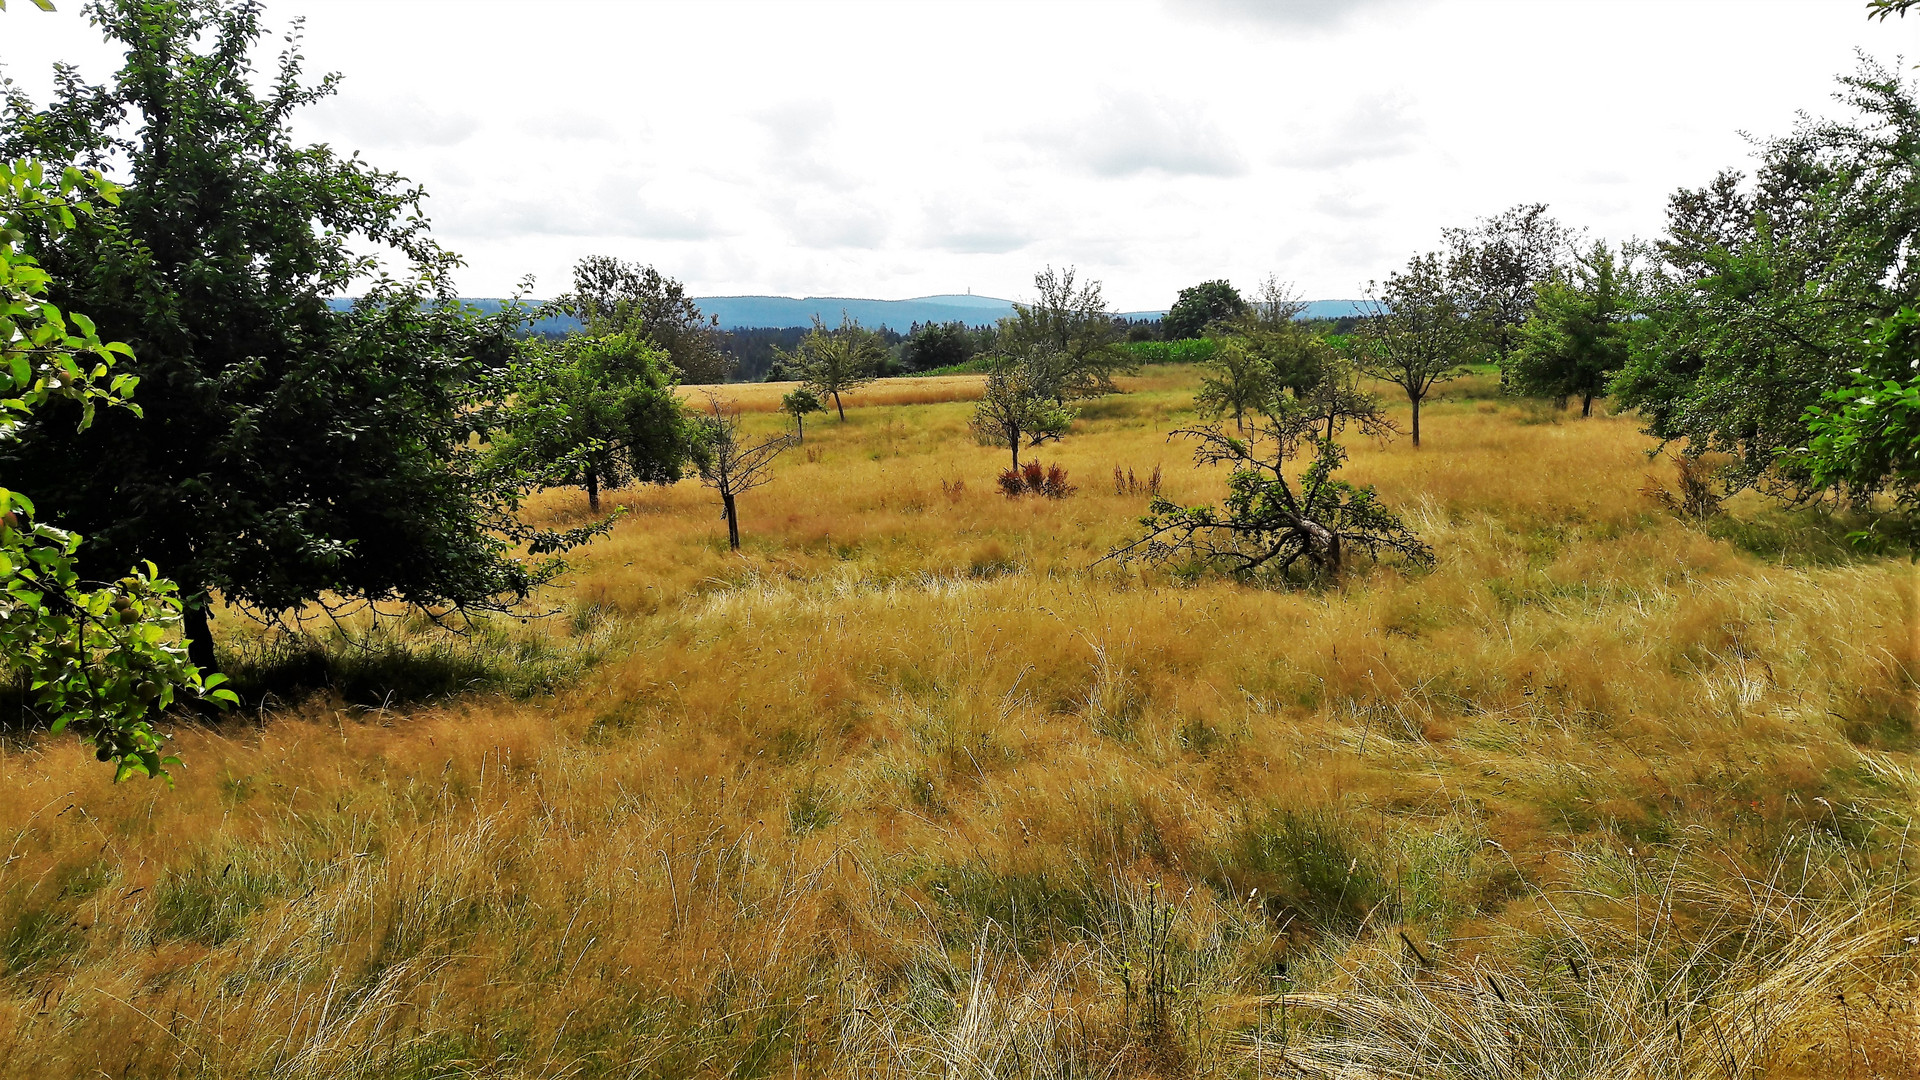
[910, 787]
[928, 390]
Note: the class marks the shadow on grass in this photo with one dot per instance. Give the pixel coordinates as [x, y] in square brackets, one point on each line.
[1813, 537]
[391, 663]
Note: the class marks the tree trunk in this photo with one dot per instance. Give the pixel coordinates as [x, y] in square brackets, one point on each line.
[1014, 444]
[1416, 420]
[593, 491]
[733, 523]
[800, 425]
[199, 632]
[837, 405]
[1586, 405]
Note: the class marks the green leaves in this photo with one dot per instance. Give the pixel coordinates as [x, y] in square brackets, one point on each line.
[1751, 331]
[1865, 435]
[100, 660]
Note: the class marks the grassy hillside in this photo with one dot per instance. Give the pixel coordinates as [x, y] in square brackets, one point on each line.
[911, 787]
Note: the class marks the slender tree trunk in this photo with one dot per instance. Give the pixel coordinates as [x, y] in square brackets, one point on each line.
[199, 631]
[800, 425]
[1416, 419]
[837, 405]
[1586, 405]
[733, 523]
[1014, 444]
[593, 491]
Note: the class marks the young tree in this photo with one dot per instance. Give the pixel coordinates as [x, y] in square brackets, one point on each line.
[729, 463]
[590, 410]
[1495, 266]
[1199, 306]
[1015, 405]
[1417, 334]
[613, 296]
[797, 405]
[1271, 520]
[289, 452]
[93, 658]
[829, 363]
[937, 345]
[1577, 338]
[1238, 380]
[1074, 333]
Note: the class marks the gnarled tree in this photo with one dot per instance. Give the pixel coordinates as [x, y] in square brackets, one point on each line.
[1272, 520]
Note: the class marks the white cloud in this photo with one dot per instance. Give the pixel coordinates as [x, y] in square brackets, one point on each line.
[1132, 133]
[400, 121]
[1375, 127]
[1312, 15]
[848, 148]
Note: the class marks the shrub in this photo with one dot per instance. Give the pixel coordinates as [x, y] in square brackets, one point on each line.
[1036, 479]
[1190, 351]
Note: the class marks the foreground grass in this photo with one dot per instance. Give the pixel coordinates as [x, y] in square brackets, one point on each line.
[910, 788]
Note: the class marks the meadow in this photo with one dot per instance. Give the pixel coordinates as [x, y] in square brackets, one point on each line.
[917, 786]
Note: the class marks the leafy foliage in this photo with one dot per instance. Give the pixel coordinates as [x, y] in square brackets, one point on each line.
[1016, 404]
[829, 363]
[1419, 333]
[1238, 380]
[1866, 433]
[1497, 265]
[592, 410]
[1578, 336]
[1200, 306]
[289, 452]
[797, 405]
[937, 345]
[1069, 337]
[98, 660]
[616, 297]
[1753, 323]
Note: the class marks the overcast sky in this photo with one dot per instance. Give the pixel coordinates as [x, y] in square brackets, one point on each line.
[903, 149]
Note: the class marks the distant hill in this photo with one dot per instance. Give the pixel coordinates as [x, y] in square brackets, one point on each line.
[773, 312]
[739, 312]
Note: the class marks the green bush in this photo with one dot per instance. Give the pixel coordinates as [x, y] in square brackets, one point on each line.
[1190, 351]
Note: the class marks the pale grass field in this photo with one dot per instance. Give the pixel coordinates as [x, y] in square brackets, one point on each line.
[911, 787]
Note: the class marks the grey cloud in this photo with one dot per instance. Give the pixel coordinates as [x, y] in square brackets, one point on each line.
[831, 223]
[401, 122]
[1310, 15]
[798, 132]
[1377, 127]
[1131, 134]
[973, 230]
[612, 211]
[985, 241]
